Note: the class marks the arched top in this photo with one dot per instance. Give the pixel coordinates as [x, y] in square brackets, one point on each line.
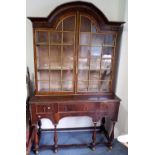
[72, 8]
[68, 23]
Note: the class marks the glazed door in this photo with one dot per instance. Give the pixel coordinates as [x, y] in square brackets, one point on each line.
[75, 57]
[95, 57]
[55, 50]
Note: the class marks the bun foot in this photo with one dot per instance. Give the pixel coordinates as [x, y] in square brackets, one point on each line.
[55, 151]
[93, 148]
[36, 152]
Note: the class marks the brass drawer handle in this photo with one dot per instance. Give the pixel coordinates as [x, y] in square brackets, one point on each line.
[39, 116]
[49, 108]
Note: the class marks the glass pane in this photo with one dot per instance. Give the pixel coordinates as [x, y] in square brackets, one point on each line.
[43, 86]
[84, 52]
[94, 75]
[105, 74]
[93, 28]
[67, 85]
[104, 85]
[84, 38]
[55, 75]
[42, 37]
[67, 75]
[95, 64]
[107, 52]
[55, 37]
[109, 39]
[83, 63]
[55, 57]
[55, 86]
[68, 57]
[43, 57]
[69, 24]
[82, 86]
[93, 86]
[85, 24]
[59, 27]
[83, 75]
[68, 38]
[98, 39]
[96, 51]
[43, 75]
[106, 64]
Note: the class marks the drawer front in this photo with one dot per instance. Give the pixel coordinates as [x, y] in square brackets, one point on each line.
[104, 107]
[44, 109]
[78, 107]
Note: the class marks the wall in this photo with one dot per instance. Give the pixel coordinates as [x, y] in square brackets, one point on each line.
[122, 80]
[115, 10]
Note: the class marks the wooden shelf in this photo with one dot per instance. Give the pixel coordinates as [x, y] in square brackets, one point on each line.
[93, 45]
[54, 69]
[60, 44]
[87, 69]
[71, 69]
[53, 44]
[93, 69]
[103, 33]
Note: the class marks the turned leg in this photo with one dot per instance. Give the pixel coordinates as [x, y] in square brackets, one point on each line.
[55, 139]
[94, 137]
[36, 141]
[111, 136]
[39, 130]
[102, 124]
[103, 129]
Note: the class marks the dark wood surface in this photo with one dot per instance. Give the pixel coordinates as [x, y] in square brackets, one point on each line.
[72, 7]
[57, 105]
[72, 98]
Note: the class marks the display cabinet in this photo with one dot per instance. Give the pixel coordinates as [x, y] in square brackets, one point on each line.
[76, 50]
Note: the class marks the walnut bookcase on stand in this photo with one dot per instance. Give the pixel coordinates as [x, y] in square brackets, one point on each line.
[76, 50]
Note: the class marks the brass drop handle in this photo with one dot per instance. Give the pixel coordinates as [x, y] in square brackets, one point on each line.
[49, 108]
[39, 116]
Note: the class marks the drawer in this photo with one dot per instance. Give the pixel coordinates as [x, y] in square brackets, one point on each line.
[44, 108]
[78, 107]
[104, 107]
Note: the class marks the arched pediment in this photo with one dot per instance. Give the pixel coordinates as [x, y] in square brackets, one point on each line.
[72, 8]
